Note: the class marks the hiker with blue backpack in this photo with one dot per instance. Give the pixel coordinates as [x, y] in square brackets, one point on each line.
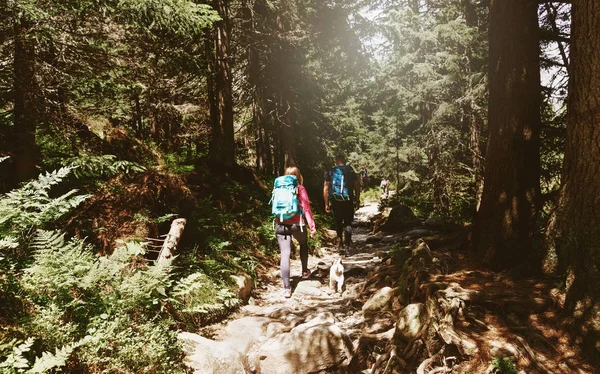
[341, 193]
[291, 208]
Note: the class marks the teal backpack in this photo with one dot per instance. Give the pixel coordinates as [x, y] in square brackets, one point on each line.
[339, 189]
[284, 198]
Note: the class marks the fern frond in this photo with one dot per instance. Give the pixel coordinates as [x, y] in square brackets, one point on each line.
[50, 361]
[45, 181]
[197, 293]
[104, 166]
[59, 264]
[47, 240]
[15, 359]
[31, 206]
[9, 242]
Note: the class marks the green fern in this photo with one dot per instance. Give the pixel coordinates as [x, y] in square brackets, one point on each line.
[15, 362]
[9, 242]
[48, 361]
[105, 166]
[106, 305]
[31, 205]
[197, 293]
[59, 265]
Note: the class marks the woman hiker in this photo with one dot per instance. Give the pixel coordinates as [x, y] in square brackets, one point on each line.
[294, 227]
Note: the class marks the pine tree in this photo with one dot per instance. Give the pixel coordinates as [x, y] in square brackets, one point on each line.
[578, 220]
[505, 222]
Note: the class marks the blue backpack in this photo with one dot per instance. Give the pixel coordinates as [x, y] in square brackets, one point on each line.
[339, 189]
[284, 198]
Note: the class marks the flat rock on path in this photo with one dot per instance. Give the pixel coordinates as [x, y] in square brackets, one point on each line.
[276, 334]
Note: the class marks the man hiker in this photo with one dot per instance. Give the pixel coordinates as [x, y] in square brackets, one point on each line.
[341, 193]
[385, 185]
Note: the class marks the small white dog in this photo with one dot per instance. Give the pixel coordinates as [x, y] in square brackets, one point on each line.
[336, 275]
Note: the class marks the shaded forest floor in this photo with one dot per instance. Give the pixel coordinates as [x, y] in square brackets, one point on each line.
[476, 321]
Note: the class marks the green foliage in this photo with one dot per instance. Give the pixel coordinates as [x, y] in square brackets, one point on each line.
[181, 17]
[427, 100]
[49, 361]
[14, 351]
[504, 366]
[105, 166]
[109, 306]
[198, 293]
[372, 194]
[32, 206]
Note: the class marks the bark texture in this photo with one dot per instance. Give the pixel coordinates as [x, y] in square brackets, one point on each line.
[578, 216]
[26, 109]
[504, 225]
[222, 145]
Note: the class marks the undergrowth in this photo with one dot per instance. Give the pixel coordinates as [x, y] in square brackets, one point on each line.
[66, 308]
[74, 305]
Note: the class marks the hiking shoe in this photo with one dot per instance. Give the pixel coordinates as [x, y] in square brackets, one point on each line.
[306, 274]
[287, 293]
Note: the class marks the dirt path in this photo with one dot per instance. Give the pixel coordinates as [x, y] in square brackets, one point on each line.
[468, 318]
[316, 330]
[313, 294]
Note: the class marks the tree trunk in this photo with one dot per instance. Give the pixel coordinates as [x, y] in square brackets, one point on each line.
[578, 215]
[285, 108]
[26, 108]
[268, 149]
[504, 225]
[472, 122]
[256, 85]
[222, 145]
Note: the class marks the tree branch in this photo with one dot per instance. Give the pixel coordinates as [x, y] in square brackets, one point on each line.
[552, 12]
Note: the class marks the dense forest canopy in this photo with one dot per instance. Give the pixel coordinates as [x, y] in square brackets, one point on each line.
[479, 111]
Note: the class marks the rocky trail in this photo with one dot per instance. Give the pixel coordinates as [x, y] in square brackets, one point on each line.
[413, 302]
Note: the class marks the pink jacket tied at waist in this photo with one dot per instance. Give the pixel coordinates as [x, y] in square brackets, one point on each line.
[305, 204]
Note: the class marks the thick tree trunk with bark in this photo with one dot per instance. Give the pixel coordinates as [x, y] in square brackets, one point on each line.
[285, 107]
[578, 215]
[222, 145]
[504, 225]
[261, 143]
[26, 108]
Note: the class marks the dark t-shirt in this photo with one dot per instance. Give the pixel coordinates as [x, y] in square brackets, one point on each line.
[349, 176]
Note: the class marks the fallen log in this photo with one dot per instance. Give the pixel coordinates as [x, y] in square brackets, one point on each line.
[171, 241]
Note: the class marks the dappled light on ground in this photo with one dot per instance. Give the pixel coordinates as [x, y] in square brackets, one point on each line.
[481, 315]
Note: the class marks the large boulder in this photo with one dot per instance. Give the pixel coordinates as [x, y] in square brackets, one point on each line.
[400, 218]
[308, 348]
[379, 300]
[244, 286]
[205, 356]
[241, 334]
[309, 288]
[410, 321]
[436, 222]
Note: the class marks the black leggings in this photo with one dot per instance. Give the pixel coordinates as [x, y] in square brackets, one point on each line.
[284, 235]
[343, 213]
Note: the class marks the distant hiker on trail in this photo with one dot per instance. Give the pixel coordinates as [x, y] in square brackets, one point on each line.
[385, 187]
[364, 176]
[291, 208]
[341, 193]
